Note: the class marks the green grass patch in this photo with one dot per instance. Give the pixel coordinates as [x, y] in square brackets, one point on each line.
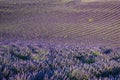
[95, 53]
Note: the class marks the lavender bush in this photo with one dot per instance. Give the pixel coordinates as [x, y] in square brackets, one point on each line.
[47, 62]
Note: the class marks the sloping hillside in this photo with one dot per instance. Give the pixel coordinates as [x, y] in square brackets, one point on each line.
[87, 22]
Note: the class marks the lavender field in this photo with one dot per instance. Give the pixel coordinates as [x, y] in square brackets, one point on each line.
[45, 61]
[60, 40]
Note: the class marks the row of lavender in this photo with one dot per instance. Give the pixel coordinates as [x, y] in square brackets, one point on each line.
[43, 61]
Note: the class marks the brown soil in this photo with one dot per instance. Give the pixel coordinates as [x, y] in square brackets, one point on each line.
[93, 23]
